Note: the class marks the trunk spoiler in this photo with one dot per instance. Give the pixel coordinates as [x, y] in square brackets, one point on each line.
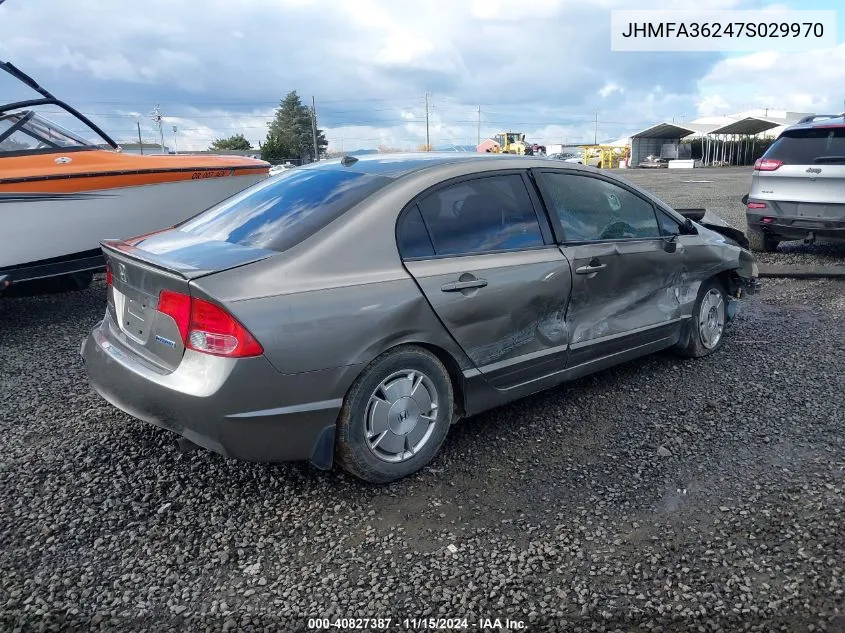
[184, 256]
[715, 223]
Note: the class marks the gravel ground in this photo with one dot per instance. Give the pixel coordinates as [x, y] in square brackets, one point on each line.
[662, 495]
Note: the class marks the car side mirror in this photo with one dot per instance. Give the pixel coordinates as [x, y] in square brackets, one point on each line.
[670, 244]
[689, 227]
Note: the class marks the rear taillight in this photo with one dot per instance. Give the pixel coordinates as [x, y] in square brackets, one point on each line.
[108, 273]
[756, 205]
[208, 328]
[178, 306]
[767, 164]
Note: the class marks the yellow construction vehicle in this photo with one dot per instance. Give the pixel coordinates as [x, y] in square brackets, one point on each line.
[510, 143]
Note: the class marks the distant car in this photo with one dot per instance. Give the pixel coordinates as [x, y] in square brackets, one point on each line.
[352, 310]
[654, 162]
[571, 155]
[798, 186]
[278, 169]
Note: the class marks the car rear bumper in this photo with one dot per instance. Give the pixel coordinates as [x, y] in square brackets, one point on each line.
[242, 408]
[795, 228]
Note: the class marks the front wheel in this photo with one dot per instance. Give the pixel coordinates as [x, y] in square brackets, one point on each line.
[707, 325]
[396, 416]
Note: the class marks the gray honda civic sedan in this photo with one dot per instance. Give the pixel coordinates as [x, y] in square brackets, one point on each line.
[352, 310]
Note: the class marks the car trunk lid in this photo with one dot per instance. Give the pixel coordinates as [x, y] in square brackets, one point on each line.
[140, 270]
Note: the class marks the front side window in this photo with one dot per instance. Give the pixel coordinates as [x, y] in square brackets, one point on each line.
[668, 225]
[283, 210]
[484, 215]
[593, 209]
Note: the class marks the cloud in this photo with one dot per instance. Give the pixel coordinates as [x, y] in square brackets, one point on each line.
[809, 81]
[539, 66]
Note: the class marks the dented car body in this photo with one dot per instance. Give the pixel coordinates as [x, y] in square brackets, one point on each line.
[516, 273]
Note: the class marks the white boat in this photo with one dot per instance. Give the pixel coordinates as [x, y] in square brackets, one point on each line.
[60, 194]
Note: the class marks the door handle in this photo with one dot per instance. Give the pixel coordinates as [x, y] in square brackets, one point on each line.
[457, 286]
[586, 270]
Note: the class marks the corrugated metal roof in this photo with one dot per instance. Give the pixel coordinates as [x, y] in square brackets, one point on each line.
[665, 130]
[748, 125]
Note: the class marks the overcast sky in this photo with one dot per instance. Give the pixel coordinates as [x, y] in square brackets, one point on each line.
[219, 67]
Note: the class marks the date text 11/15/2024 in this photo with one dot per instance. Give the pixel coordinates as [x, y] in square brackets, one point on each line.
[416, 624]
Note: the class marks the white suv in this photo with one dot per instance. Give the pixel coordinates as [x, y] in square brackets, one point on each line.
[798, 186]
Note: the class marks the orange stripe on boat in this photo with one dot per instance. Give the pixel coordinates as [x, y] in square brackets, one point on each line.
[92, 170]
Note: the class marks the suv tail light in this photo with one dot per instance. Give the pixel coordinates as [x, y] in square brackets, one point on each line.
[108, 273]
[208, 328]
[767, 164]
[756, 205]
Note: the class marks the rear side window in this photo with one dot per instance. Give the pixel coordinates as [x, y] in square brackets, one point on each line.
[809, 146]
[283, 210]
[483, 215]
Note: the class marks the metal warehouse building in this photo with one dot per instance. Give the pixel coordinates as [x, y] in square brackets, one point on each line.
[651, 140]
[725, 139]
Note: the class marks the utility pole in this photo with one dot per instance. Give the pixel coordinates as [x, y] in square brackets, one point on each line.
[314, 128]
[596, 130]
[479, 126]
[140, 142]
[427, 141]
[175, 147]
[158, 119]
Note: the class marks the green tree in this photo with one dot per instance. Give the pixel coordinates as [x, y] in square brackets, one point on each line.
[237, 141]
[291, 130]
[277, 149]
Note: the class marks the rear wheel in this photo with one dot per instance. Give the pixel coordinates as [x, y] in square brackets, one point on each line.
[761, 242]
[396, 416]
[707, 325]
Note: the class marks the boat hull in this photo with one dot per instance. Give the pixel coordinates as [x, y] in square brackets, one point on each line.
[38, 226]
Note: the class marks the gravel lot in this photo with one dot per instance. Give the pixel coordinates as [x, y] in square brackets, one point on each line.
[663, 495]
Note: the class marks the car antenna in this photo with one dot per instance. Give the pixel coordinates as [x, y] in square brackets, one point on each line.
[346, 161]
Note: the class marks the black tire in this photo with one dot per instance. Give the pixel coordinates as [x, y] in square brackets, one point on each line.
[353, 451]
[695, 344]
[761, 242]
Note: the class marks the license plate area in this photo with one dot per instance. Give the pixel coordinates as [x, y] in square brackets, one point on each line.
[820, 211]
[135, 314]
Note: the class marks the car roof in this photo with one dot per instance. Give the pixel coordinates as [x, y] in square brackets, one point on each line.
[818, 120]
[398, 165]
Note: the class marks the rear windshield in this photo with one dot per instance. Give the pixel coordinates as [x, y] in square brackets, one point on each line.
[809, 146]
[283, 210]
